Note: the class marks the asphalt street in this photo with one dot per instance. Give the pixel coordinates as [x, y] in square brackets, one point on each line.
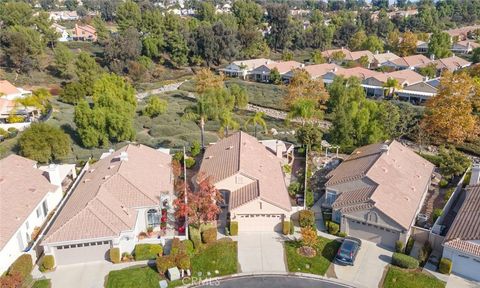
[275, 281]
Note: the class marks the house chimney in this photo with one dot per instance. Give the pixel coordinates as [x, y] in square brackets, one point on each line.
[376, 52]
[475, 177]
[53, 171]
[425, 79]
[432, 57]
[279, 150]
[385, 149]
[124, 156]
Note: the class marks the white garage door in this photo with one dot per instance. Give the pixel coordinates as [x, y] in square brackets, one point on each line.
[379, 235]
[466, 266]
[78, 253]
[260, 222]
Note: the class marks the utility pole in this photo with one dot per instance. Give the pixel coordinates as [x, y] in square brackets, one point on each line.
[305, 180]
[185, 190]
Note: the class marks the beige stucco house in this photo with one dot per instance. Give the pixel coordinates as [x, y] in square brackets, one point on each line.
[250, 176]
[378, 191]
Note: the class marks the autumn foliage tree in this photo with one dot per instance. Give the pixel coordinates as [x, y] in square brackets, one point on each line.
[309, 237]
[201, 206]
[449, 116]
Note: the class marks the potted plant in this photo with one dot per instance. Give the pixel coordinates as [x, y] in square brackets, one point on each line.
[142, 235]
[149, 231]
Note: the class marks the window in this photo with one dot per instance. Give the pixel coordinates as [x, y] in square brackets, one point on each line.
[330, 197]
[39, 212]
[59, 247]
[105, 242]
[45, 208]
[27, 225]
[153, 218]
[99, 243]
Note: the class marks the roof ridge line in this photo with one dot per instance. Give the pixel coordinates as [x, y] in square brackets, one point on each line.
[107, 207]
[99, 218]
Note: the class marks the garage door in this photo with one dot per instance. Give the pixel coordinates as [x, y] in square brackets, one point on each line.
[260, 222]
[466, 266]
[381, 236]
[78, 253]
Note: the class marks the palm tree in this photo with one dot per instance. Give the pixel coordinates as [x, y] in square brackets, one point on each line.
[199, 112]
[257, 120]
[305, 109]
[391, 86]
[227, 122]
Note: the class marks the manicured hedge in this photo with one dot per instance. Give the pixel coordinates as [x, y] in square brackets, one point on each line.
[115, 255]
[409, 246]
[164, 263]
[23, 265]
[188, 244]
[147, 251]
[286, 227]
[404, 261]
[177, 247]
[182, 261]
[445, 266]
[342, 234]
[194, 234]
[306, 218]
[292, 228]
[209, 235]
[234, 228]
[48, 262]
[333, 228]
[399, 246]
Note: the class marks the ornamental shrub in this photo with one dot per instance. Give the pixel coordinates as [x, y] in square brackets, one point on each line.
[188, 244]
[195, 149]
[286, 227]
[164, 263]
[209, 235]
[445, 266]
[182, 261]
[443, 183]
[234, 228]
[404, 261]
[147, 251]
[333, 228]
[424, 253]
[409, 246]
[177, 247]
[115, 255]
[292, 228]
[189, 162]
[399, 246]
[23, 265]
[342, 234]
[194, 234]
[306, 218]
[47, 264]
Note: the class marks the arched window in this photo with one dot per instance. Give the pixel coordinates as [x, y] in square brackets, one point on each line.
[372, 217]
[153, 218]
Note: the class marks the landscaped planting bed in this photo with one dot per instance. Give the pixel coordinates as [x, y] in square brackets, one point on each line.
[326, 250]
[404, 278]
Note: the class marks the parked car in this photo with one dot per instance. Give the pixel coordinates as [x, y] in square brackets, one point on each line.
[347, 252]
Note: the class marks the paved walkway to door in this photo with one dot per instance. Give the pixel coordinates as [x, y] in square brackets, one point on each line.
[261, 252]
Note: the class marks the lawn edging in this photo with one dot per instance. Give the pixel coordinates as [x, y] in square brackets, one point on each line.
[290, 274]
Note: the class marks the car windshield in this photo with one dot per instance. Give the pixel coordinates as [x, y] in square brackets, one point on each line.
[347, 248]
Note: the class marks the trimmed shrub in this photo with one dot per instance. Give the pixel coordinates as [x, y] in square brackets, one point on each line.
[194, 234]
[292, 228]
[445, 266]
[114, 255]
[286, 227]
[443, 183]
[195, 149]
[147, 251]
[437, 212]
[399, 246]
[48, 262]
[333, 228]
[306, 218]
[342, 234]
[234, 228]
[182, 261]
[164, 263]
[294, 188]
[409, 246]
[209, 235]
[448, 193]
[23, 266]
[178, 156]
[177, 247]
[189, 162]
[404, 261]
[188, 244]
[424, 253]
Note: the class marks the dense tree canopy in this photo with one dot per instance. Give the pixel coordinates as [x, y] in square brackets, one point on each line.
[44, 143]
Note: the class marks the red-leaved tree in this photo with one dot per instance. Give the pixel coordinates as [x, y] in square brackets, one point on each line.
[202, 206]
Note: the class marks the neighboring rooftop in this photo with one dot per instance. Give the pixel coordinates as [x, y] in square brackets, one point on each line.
[103, 204]
[253, 63]
[465, 229]
[284, 67]
[22, 188]
[412, 61]
[398, 175]
[7, 88]
[452, 63]
[242, 153]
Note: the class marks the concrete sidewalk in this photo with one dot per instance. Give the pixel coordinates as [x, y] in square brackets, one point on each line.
[261, 252]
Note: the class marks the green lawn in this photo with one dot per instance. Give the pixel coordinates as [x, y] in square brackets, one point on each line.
[140, 277]
[45, 283]
[403, 278]
[319, 264]
[221, 256]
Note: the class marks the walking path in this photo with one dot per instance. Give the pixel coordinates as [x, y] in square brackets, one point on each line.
[166, 88]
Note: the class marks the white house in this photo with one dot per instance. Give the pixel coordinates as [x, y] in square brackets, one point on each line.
[64, 36]
[114, 205]
[243, 68]
[28, 194]
[10, 92]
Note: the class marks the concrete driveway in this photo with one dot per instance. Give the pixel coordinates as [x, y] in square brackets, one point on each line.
[261, 252]
[369, 266]
[86, 275]
[455, 281]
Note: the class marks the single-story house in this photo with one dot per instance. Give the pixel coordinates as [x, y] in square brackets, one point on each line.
[359, 72]
[84, 33]
[250, 177]
[377, 192]
[462, 33]
[349, 55]
[462, 242]
[419, 93]
[243, 68]
[113, 205]
[28, 195]
[422, 47]
[262, 73]
[408, 62]
[64, 15]
[380, 58]
[374, 85]
[315, 71]
[464, 47]
[451, 64]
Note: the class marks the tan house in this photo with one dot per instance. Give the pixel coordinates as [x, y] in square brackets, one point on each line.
[377, 192]
[116, 200]
[408, 62]
[262, 73]
[243, 68]
[84, 33]
[315, 71]
[250, 177]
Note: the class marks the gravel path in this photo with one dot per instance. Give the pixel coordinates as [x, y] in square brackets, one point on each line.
[166, 88]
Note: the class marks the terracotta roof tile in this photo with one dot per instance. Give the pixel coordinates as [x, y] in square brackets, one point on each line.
[7, 88]
[244, 195]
